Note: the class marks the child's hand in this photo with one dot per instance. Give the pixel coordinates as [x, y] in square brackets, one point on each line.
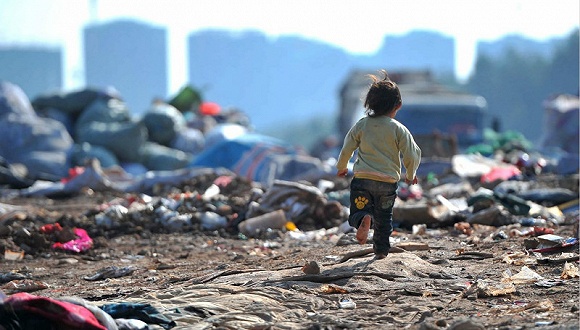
[409, 182]
[342, 172]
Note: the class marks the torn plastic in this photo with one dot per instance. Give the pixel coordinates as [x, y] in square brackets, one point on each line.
[526, 275]
[81, 244]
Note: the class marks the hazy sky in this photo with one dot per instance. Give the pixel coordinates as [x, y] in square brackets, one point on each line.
[358, 26]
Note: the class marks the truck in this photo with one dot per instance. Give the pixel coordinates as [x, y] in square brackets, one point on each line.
[443, 121]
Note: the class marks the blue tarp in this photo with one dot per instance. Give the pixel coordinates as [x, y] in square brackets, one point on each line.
[228, 152]
[258, 158]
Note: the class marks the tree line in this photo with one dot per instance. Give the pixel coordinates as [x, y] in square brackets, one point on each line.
[517, 84]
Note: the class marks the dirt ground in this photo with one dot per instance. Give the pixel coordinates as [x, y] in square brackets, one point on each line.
[440, 279]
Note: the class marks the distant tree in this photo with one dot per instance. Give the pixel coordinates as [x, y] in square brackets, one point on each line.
[563, 73]
[516, 84]
[483, 80]
[513, 87]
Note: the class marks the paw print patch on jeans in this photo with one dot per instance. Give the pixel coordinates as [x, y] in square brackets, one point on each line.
[361, 202]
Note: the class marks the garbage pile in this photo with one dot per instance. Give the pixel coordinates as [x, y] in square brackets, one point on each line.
[232, 206]
[211, 172]
[51, 136]
[60, 144]
[165, 174]
[205, 199]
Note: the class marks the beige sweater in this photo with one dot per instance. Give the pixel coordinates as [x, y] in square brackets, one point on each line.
[381, 141]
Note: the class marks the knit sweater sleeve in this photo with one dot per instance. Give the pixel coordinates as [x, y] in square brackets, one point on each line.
[411, 154]
[350, 144]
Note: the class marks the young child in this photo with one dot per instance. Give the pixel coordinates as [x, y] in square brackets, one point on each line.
[380, 141]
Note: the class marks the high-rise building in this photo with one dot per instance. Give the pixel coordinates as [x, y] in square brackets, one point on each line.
[36, 70]
[129, 56]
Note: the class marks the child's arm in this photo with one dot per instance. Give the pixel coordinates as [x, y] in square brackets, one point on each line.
[411, 158]
[349, 145]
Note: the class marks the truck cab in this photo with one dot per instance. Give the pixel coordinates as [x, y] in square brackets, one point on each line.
[443, 122]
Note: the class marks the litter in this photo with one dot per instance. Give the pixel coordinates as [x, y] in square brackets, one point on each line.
[570, 271]
[526, 275]
[110, 272]
[347, 303]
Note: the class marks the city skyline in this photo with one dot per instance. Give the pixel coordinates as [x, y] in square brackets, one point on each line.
[354, 27]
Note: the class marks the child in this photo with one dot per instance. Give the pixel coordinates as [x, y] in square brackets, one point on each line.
[380, 140]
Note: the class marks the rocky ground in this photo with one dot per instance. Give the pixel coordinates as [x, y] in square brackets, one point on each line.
[440, 278]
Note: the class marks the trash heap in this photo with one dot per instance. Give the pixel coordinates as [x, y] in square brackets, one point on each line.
[230, 182]
[53, 135]
[227, 205]
[187, 165]
[206, 199]
[210, 172]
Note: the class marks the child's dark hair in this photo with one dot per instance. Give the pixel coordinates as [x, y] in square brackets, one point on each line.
[383, 96]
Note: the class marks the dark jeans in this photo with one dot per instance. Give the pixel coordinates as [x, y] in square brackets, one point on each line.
[377, 199]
